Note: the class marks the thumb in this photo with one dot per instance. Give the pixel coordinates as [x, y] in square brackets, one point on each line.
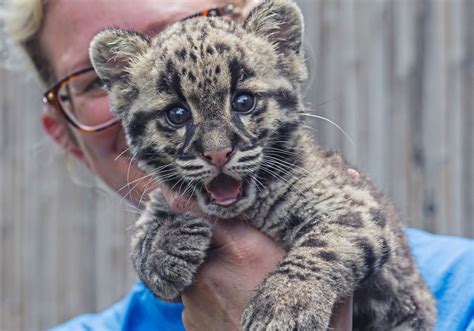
[180, 203]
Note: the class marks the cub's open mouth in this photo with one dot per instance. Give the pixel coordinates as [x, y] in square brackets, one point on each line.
[224, 190]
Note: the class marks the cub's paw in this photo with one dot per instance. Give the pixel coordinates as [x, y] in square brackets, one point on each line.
[168, 260]
[281, 304]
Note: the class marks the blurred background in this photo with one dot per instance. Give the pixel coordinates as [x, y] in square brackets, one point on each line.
[396, 75]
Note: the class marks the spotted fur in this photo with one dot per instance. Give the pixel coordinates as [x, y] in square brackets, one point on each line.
[340, 234]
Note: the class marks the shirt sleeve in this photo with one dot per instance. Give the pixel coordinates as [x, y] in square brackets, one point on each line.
[140, 310]
[447, 265]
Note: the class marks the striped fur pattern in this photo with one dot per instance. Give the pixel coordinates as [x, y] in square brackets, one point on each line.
[341, 235]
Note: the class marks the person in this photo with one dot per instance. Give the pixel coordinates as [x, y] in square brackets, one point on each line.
[56, 35]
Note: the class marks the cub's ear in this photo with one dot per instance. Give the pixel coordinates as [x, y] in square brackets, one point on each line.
[279, 21]
[113, 51]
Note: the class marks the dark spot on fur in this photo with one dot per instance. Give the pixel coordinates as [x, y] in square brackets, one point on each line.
[328, 256]
[182, 54]
[291, 264]
[295, 221]
[209, 50]
[217, 70]
[188, 135]
[314, 242]
[192, 167]
[191, 77]
[172, 79]
[221, 48]
[234, 69]
[162, 84]
[238, 72]
[297, 276]
[378, 217]
[137, 125]
[204, 34]
[327, 154]
[367, 253]
[248, 158]
[385, 253]
[193, 57]
[353, 220]
[356, 203]
[186, 157]
[190, 41]
[281, 149]
[169, 150]
[211, 23]
[285, 98]
[154, 158]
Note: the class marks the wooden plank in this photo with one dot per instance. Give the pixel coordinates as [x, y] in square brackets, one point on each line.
[468, 119]
[455, 55]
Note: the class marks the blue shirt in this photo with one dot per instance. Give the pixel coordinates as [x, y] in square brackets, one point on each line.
[446, 263]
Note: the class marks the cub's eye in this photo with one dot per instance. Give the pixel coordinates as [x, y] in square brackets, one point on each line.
[178, 115]
[243, 103]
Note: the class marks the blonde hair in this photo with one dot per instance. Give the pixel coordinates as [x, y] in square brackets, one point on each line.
[23, 20]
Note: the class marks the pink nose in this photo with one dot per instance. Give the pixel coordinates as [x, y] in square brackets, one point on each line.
[219, 157]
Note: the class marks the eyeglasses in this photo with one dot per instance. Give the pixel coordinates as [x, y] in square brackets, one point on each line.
[81, 96]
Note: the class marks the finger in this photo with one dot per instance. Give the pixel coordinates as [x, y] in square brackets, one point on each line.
[180, 203]
[241, 244]
[341, 319]
[225, 232]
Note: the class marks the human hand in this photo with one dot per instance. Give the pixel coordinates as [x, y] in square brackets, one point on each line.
[242, 258]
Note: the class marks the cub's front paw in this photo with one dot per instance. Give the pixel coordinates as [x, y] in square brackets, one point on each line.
[168, 260]
[280, 303]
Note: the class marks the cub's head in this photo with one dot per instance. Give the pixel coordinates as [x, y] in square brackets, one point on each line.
[209, 106]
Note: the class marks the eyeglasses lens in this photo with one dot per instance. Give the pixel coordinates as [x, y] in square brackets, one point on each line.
[85, 100]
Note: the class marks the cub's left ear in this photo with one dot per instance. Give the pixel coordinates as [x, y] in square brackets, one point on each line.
[279, 21]
[113, 51]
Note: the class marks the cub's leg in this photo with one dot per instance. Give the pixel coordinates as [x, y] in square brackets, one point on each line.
[323, 265]
[167, 249]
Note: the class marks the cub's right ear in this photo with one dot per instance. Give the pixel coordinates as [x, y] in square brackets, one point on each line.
[113, 51]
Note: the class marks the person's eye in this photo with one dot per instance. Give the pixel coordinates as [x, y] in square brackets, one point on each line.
[178, 115]
[243, 103]
[96, 85]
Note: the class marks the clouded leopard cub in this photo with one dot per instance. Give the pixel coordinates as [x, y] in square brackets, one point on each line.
[212, 108]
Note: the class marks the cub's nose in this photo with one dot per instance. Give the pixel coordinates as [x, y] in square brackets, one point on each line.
[220, 157]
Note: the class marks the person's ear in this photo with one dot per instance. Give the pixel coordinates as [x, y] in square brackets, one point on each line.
[55, 128]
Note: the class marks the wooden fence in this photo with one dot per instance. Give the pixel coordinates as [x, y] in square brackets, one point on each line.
[396, 75]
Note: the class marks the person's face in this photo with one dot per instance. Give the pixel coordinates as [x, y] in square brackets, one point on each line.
[69, 27]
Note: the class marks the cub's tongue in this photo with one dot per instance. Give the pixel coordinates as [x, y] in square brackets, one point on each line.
[224, 189]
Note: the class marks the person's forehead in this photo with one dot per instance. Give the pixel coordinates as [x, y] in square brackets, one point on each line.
[71, 25]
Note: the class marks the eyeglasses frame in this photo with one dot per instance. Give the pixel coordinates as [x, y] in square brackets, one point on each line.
[50, 97]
